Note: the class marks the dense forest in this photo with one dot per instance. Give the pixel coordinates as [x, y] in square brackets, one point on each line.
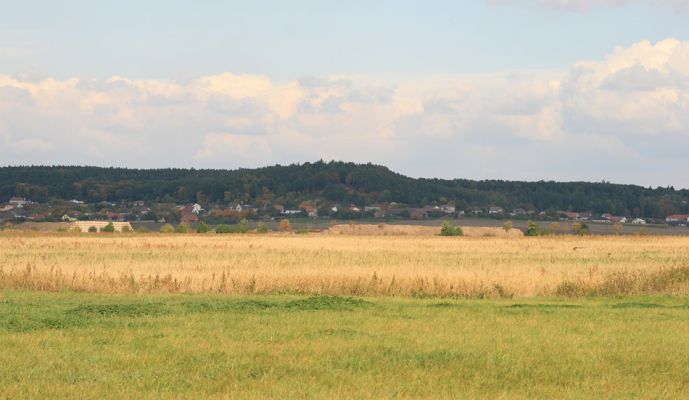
[336, 182]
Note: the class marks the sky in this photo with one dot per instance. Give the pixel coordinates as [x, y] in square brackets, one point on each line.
[565, 90]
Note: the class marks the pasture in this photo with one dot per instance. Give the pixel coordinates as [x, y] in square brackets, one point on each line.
[94, 346]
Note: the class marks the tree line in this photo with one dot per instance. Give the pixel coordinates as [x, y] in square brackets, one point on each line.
[336, 182]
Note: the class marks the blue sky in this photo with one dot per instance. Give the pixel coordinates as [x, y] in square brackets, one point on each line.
[410, 84]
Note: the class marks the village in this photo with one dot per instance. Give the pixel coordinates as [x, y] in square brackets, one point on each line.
[18, 210]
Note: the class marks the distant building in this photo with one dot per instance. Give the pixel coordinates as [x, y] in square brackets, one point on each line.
[447, 209]
[677, 219]
[639, 221]
[19, 202]
[495, 210]
[189, 218]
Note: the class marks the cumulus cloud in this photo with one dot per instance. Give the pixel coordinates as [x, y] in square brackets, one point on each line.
[624, 118]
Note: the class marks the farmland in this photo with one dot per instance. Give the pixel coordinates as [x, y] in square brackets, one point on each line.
[342, 316]
[408, 266]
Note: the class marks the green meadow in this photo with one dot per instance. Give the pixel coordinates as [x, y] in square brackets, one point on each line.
[96, 346]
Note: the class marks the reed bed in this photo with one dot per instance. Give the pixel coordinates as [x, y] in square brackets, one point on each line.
[409, 266]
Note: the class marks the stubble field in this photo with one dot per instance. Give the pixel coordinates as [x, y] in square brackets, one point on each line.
[408, 266]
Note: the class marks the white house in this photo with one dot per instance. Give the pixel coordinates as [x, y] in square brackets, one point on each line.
[495, 210]
[447, 209]
[639, 221]
[19, 202]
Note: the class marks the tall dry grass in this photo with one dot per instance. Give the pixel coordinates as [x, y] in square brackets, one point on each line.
[347, 265]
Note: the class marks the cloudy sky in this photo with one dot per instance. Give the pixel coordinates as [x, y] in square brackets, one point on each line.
[507, 89]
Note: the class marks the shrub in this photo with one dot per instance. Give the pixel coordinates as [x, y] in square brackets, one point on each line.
[183, 228]
[222, 228]
[142, 229]
[285, 226]
[93, 229]
[302, 231]
[127, 229]
[243, 226]
[448, 229]
[507, 226]
[532, 229]
[109, 228]
[202, 228]
[75, 229]
[261, 228]
[167, 228]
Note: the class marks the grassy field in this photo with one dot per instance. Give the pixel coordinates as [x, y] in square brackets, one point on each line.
[67, 345]
[400, 266]
[323, 316]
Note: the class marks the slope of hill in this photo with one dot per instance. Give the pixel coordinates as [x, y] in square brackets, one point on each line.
[341, 182]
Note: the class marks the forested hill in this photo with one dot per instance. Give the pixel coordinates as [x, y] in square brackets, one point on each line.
[335, 182]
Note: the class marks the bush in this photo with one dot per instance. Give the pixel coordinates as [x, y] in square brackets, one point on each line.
[127, 229]
[167, 228]
[222, 228]
[285, 226]
[202, 228]
[142, 229]
[261, 228]
[93, 229]
[183, 228]
[507, 226]
[532, 229]
[75, 229]
[302, 231]
[109, 228]
[243, 226]
[448, 230]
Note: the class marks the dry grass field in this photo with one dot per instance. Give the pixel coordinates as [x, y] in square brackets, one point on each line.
[416, 266]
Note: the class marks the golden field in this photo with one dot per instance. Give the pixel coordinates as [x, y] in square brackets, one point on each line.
[418, 266]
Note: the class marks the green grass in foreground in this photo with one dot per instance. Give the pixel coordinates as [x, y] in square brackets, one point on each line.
[67, 345]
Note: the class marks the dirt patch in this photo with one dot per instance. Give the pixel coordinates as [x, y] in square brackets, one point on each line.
[416, 230]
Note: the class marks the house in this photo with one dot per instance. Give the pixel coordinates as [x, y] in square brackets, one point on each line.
[585, 215]
[19, 202]
[189, 218]
[571, 215]
[114, 216]
[190, 209]
[39, 216]
[418, 213]
[476, 211]
[75, 201]
[639, 221]
[371, 208]
[67, 218]
[618, 220]
[138, 203]
[447, 209]
[354, 208]
[518, 211]
[7, 207]
[310, 210]
[279, 208]
[677, 219]
[291, 212]
[495, 210]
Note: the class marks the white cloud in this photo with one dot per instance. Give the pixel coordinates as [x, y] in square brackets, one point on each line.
[624, 118]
